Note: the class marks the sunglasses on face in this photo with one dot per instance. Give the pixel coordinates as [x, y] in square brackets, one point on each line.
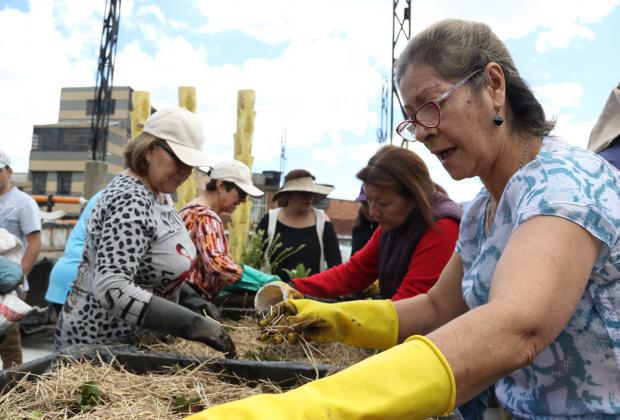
[242, 194]
[171, 153]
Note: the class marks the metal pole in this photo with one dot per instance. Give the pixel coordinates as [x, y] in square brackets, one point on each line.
[399, 27]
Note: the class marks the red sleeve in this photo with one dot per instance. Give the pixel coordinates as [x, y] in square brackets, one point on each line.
[351, 277]
[429, 258]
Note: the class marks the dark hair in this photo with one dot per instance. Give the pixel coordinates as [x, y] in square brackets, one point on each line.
[212, 185]
[361, 221]
[283, 197]
[135, 152]
[456, 48]
[405, 172]
[298, 173]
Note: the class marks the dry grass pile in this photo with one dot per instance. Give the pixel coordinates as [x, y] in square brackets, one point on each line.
[245, 335]
[81, 390]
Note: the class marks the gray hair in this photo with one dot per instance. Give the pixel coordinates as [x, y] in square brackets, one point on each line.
[456, 48]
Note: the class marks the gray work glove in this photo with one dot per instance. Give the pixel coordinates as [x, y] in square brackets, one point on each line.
[170, 318]
[191, 299]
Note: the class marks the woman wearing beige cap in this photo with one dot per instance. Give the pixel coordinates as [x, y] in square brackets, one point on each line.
[137, 252]
[230, 184]
[297, 222]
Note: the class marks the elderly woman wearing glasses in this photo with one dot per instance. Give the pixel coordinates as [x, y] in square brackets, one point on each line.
[137, 252]
[529, 300]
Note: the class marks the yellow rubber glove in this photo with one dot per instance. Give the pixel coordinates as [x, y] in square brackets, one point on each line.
[408, 382]
[371, 324]
[372, 290]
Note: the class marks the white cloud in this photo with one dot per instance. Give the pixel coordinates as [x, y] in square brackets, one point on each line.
[336, 155]
[556, 96]
[322, 88]
[515, 19]
[151, 10]
[38, 60]
[574, 132]
[560, 36]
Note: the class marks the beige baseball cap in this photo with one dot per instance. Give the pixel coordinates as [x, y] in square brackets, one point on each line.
[182, 131]
[238, 173]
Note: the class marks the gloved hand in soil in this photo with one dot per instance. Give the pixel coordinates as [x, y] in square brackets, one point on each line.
[409, 381]
[190, 299]
[362, 323]
[170, 318]
[251, 280]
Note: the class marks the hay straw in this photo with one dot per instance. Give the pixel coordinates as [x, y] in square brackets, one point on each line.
[244, 334]
[125, 395]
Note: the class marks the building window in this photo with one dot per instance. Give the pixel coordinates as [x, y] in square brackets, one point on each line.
[259, 208]
[74, 139]
[39, 179]
[35, 141]
[63, 185]
[90, 106]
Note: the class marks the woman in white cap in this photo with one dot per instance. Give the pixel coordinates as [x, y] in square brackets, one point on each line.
[230, 184]
[137, 252]
[297, 222]
[605, 135]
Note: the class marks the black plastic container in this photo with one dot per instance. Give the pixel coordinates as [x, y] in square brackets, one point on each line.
[285, 374]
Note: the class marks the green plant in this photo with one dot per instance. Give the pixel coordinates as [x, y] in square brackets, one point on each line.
[262, 355]
[297, 272]
[184, 404]
[260, 254]
[253, 253]
[89, 395]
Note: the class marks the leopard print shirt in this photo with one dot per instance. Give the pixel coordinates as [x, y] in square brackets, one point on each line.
[134, 247]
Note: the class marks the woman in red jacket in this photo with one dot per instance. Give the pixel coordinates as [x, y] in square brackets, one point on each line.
[418, 228]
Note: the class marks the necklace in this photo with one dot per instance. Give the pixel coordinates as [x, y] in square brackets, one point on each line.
[524, 154]
[492, 206]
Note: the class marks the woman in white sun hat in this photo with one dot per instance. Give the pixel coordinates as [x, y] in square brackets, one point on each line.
[297, 222]
[230, 184]
[137, 252]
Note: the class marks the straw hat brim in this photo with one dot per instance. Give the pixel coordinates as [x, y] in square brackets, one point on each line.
[319, 191]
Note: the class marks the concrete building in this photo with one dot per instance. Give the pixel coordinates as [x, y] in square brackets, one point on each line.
[21, 181]
[60, 150]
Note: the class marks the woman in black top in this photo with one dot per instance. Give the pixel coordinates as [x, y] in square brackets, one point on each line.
[364, 226]
[297, 222]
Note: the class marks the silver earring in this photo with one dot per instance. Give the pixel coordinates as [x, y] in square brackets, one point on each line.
[498, 120]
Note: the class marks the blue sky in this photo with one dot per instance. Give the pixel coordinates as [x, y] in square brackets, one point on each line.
[317, 68]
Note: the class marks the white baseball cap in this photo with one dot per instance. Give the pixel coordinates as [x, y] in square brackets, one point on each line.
[238, 173]
[4, 160]
[182, 131]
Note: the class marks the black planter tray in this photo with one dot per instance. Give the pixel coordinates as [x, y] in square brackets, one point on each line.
[285, 374]
[236, 313]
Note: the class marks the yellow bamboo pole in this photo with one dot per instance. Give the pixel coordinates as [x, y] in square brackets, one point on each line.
[141, 102]
[187, 191]
[243, 152]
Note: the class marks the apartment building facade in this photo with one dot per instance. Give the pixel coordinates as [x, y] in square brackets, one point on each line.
[60, 150]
